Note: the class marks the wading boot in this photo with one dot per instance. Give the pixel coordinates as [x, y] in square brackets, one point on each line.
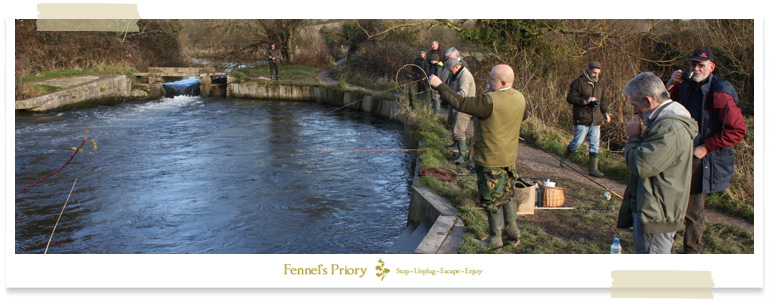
[510, 230]
[593, 165]
[462, 145]
[564, 157]
[495, 239]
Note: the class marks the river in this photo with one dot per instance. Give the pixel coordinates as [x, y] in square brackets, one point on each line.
[192, 175]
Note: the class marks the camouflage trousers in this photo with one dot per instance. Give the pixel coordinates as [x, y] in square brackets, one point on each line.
[495, 186]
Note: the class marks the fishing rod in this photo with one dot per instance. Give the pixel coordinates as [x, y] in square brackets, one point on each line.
[572, 207]
[607, 191]
[380, 92]
[361, 150]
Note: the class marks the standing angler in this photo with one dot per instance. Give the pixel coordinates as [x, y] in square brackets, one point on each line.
[464, 85]
[500, 113]
[711, 101]
[274, 59]
[589, 110]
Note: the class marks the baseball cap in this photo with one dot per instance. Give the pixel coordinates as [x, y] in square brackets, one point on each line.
[701, 54]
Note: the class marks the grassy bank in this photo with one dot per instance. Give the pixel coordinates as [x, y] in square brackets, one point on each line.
[287, 72]
[549, 231]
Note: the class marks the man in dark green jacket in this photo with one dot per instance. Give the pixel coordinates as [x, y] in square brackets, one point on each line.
[274, 60]
[660, 161]
[499, 114]
[589, 110]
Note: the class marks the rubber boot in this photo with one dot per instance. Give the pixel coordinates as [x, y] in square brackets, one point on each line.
[564, 157]
[462, 145]
[593, 165]
[277, 77]
[437, 107]
[272, 77]
[510, 230]
[495, 239]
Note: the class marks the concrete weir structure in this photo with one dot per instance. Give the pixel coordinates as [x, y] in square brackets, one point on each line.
[432, 226]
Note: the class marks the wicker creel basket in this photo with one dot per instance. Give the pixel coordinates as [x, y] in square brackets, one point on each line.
[552, 196]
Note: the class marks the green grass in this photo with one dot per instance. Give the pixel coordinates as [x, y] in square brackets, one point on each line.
[287, 72]
[41, 89]
[98, 70]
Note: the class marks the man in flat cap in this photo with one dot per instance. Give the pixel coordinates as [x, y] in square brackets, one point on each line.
[589, 111]
[463, 84]
[712, 102]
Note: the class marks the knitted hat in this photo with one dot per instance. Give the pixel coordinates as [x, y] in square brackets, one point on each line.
[594, 65]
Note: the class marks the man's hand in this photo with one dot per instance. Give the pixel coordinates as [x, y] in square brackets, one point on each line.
[634, 126]
[676, 77]
[700, 151]
[434, 81]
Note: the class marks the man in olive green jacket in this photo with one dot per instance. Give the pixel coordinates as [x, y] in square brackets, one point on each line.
[500, 114]
[274, 60]
[660, 161]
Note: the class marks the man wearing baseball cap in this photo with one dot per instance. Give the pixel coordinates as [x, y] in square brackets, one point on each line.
[589, 111]
[712, 102]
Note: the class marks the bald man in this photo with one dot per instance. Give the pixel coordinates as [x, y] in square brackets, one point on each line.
[500, 113]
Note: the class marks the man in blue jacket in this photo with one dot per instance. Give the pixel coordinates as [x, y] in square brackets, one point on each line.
[712, 102]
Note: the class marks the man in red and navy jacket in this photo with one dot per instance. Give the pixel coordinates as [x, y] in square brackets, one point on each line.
[712, 102]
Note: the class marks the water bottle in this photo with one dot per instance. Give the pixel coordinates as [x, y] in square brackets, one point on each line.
[615, 248]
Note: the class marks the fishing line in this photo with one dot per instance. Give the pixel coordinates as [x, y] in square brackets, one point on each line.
[77, 150]
[59, 218]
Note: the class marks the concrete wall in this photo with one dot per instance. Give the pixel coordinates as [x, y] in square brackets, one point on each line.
[379, 105]
[108, 89]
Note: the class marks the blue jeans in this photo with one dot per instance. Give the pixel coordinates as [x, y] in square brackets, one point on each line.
[580, 134]
[655, 243]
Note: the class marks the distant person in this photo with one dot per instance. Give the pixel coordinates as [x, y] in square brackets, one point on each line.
[420, 71]
[589, 110]
[436, 49]
[464, 85]
[660, 161]
[711, 100]
[436, 68]
[274, 60]
[500, 113]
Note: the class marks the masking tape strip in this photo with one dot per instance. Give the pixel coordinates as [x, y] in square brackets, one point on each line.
[662, 284]
[87, 17]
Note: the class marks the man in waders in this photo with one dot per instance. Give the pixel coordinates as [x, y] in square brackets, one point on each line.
[274, 60]
[589, 110]
[500, 114]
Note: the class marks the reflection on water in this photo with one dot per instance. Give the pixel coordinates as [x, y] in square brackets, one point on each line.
[187, 175]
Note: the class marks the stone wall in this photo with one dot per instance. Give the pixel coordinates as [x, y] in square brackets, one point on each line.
[359, 100]
[110, 89]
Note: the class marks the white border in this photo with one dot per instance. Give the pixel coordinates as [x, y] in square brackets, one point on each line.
[567, 271]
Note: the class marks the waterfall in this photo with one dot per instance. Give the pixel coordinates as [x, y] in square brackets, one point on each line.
[190, 86]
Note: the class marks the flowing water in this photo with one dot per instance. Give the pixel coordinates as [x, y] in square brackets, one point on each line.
[192, 175]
